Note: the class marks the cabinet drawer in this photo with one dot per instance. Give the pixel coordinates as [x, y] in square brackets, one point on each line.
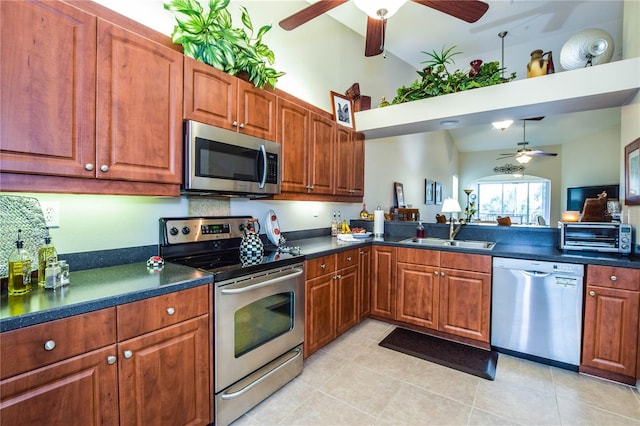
[157, 312]
[347, 258]
[465, 261]
[43, 344]
[612, 277]
[419, 256]
[320, 266]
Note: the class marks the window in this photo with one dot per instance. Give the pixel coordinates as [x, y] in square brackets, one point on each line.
[523, 200]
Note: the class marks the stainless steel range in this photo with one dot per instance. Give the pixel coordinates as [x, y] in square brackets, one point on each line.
[259, 309]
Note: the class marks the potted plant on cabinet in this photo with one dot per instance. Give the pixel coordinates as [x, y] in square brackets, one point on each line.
[209, 37]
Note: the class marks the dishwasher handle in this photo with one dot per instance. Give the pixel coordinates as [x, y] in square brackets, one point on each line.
[535, 274]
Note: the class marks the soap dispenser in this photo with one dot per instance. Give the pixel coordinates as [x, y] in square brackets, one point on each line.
[420, 230]
[46, 254]
[19, 269]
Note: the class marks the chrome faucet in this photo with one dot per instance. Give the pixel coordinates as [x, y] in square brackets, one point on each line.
[453, 232]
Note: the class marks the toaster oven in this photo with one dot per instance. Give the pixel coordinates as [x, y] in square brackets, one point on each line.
[611, 237]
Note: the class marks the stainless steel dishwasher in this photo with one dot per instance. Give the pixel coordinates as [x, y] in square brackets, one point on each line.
[537, 310]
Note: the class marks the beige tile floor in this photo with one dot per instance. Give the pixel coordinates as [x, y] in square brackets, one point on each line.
[353, 381]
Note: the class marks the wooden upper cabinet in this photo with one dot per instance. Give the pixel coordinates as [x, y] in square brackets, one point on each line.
[321, 154]
[357, 184]
[349, 162]
[222, 100]
[47, 69]
[139, 108]
[293, 135]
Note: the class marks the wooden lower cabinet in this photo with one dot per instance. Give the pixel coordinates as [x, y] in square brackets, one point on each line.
[331, 298]
[610, 341]
[79, 391]
[383, 282]
[364, 279]
[417, 295]
[164, 376]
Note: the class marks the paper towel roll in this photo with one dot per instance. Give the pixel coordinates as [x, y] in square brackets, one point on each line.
[378, 223]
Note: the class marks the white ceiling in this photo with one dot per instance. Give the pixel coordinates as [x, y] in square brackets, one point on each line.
[530, 25]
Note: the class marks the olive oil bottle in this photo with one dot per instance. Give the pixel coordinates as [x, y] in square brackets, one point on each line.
[19, 269]
[47, 253]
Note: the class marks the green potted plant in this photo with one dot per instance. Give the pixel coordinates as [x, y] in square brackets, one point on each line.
[209, 37]
[436, 80]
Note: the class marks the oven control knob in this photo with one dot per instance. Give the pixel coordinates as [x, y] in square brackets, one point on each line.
[186, 230]
[173, 231]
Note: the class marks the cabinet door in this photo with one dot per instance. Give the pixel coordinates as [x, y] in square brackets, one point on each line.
[465, 304]
[346, 299]
[320, 323]
[164, 376]
[293, 135]
[47, 68]
[383, 282]
[611, 330]
[256, 111]
[321, 154]
[357, 185]
[417, 295]
[79, 391]
[364, 280]
[139, 108]
[210, 95]
[344, 161]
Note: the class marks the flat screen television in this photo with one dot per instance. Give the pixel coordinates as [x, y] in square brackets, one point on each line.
[577, 195]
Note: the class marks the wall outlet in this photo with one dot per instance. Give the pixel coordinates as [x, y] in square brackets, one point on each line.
[51, 212]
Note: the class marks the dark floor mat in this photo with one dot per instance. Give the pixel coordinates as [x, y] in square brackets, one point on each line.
[476, 361]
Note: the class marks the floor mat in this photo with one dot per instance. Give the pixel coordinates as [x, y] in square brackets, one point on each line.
[476, 361]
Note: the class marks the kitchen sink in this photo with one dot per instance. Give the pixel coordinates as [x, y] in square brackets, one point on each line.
[468, 244]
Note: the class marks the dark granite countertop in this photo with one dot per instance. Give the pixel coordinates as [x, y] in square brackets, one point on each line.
[94, 289]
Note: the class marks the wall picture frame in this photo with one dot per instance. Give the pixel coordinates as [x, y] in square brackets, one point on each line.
[429, 192]
[342, 110]
[438, 192]
[632, 173]
[398, 192]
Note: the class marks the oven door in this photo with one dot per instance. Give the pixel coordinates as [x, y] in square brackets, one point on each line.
[258, 318]
[220, 160]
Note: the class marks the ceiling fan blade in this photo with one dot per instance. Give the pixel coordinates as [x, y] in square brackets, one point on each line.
[467, 10]
[376, 29]
[308, 13]
[542, 154]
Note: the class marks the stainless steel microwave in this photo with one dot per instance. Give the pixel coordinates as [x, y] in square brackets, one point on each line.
[612, 237]
[224, 162]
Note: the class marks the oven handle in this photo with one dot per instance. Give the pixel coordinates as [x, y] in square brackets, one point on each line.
[263, 179]
[251, 287]
[298, 353]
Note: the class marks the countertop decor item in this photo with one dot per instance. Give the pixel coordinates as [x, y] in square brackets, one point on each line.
[209, 37]
[436, 80]
[539, 66]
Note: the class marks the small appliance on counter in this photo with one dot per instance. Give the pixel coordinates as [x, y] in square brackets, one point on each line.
[603, 237]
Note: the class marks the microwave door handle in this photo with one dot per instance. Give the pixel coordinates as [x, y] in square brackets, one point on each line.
[263, 154]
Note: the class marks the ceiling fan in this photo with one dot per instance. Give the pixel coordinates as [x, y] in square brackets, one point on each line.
[524, 154]
[379, 11]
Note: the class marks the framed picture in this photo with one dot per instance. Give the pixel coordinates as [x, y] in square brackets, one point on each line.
[429, 192]
[399, 194]
[438, 192]
[342, 110]
[632, 173]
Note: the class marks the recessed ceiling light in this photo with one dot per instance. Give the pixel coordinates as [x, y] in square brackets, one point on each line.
[449, 123]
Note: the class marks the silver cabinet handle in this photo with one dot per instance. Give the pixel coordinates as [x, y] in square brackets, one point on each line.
[436, 273]
[242, 125]
[128, 354]
[88, 166]
[235, 123]
[309, 187]
[349, 259]
[613, 278]
[111, 359]
[323, 266]
[104, 168]
[171, 310]
[337, 277]
[49, 345]
[592, 293]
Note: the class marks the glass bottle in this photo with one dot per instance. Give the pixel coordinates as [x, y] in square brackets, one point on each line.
[334, 225]
[19, 269]
[47, 253]
[52, 275]
[64, 272]
[364, 214]
[383, 102]
[420, 230]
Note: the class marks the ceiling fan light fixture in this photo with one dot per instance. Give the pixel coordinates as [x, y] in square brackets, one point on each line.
[376, 8]
[502, 125]
[523, 159]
